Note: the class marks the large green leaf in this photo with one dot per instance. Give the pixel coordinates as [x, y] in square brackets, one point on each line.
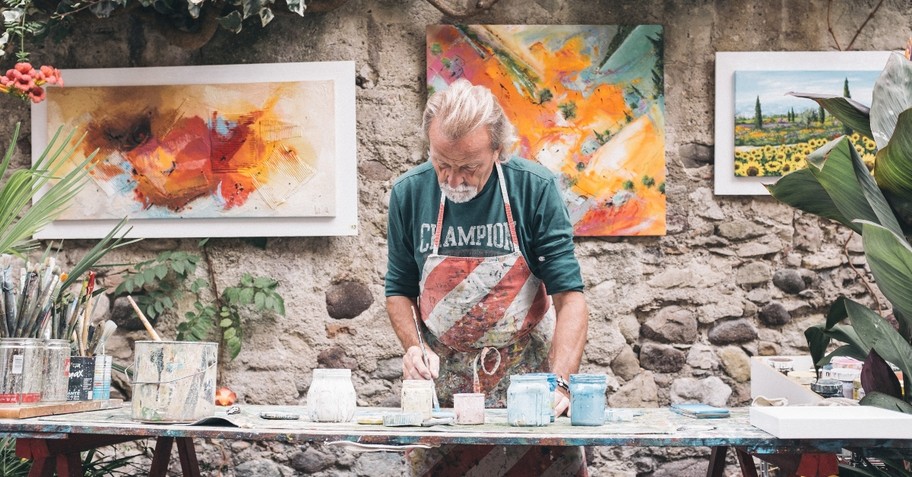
[877, 333]
[890, 258]
[892, 95]
[848, 111]
[893, 169]
[846, 180]
[801, 190]
[887, 402]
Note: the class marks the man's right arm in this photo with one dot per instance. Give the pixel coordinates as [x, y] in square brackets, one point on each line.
[400, 309]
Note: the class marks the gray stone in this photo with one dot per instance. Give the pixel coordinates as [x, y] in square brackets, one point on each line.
[258, 468]
[311, 460]
[740, 230]
[681, 468]
[711, 390]
[789, 280]
[822, 261]
[389, 368]
[336, 357]
[671, 324]
[694, 154]
[348, 299]
[661, 358]
[736, 363]
[640, 392]
[625, 364]
[759, 296]
[379, 464]
[768, 348]
[737, 331]
[752, 274]
[706, 204]
[124, 316]
[374, 171]
[774, 314]
[754, 249]
[702, 357]
[629, 327]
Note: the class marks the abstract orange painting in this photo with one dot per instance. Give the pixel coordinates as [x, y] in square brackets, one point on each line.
[588, 103]
[243, 150]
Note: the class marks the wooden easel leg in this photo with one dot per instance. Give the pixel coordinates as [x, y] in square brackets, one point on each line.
[161, 457]
[187, 453]
[717, 462]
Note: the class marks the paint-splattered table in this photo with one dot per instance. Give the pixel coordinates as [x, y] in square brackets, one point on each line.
[53, 441]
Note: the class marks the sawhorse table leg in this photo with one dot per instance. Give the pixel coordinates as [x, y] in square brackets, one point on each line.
[63, 455]
[717, 462]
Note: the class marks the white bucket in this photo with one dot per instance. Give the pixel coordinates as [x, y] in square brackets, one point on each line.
[174, 381]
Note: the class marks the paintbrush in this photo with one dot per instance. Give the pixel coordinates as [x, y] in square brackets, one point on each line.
[427, 361]
[106, 332]
[87, 318]
[145, 321]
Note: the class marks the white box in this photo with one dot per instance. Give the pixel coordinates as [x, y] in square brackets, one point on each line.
[832, 422]
[769, 382]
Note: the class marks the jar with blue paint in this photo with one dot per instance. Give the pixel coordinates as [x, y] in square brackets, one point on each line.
[587, 399]
[528, 401]
[552, 385]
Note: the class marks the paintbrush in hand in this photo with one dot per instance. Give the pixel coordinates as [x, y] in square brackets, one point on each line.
[427, 361]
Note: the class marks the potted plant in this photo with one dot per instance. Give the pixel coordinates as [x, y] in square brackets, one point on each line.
[878, 205]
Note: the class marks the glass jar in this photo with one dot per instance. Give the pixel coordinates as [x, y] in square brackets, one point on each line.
[528, 400]
[331, 397]
[418, 397]
[587, 399]
[56, 370]
[827, 388]
[21, 376]
[552, 385]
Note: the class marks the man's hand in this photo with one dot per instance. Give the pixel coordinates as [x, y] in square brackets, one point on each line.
[413, 366]
[561, 402]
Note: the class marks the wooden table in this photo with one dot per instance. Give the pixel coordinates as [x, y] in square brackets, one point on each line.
[55, 441]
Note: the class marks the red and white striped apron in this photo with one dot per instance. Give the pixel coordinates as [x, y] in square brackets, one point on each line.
[468, 303]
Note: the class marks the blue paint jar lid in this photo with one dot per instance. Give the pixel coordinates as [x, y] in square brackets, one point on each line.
[529, 378]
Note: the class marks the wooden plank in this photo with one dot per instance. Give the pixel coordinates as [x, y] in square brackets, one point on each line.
[50, 409]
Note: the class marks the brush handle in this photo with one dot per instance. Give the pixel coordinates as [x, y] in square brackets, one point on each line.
[145, 322]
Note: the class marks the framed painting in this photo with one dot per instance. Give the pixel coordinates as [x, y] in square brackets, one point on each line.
[762, 132]
[588, 103]
[260, 150]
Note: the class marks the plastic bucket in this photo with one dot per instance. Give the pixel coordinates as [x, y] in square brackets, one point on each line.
[174, 381]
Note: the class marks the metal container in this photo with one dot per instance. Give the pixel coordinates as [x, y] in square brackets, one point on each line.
[174, 381]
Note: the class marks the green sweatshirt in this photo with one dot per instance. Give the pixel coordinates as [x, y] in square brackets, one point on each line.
[478, 228]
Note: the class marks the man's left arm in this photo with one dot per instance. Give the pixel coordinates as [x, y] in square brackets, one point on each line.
[569, 340]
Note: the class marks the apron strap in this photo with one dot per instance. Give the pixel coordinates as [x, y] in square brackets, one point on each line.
[507, 209]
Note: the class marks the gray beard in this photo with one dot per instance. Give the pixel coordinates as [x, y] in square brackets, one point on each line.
[459, 194]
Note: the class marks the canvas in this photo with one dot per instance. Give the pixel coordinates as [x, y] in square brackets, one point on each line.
[587, 102]
[269, 152]
[750, 154]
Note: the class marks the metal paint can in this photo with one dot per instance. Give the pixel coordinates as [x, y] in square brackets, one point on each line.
[21, 376]
[528, 400]
[331, 397]
[469, 408]
[552, 385]
[174, 381]
[587, 399]
[827, 388]
[56, 370]
[417, 397]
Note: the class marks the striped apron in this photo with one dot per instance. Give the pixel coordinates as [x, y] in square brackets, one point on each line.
[469, 303]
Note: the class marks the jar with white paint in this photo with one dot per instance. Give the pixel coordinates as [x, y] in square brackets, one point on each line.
[418, 397]
[331, 397]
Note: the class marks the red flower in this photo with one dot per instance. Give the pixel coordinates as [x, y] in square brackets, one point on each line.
[37, 94]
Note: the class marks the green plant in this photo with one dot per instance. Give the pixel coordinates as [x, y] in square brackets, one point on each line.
[878, 205]
[166, 279]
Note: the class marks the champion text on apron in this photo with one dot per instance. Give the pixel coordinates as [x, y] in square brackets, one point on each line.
[469, 303]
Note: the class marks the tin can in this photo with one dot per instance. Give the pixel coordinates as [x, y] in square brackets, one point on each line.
[21, 371]
[331, 397]
[587, 399]
[528, 401]
[417, 397]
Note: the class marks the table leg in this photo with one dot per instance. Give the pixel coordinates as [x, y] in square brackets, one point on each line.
[161, 457]
[69, 465]
[746, 461]
[187, 453]
[717, 462]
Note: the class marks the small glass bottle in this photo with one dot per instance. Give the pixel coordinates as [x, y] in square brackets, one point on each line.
[418, 397]
[528, 401]
[331, 397]
[587, 399]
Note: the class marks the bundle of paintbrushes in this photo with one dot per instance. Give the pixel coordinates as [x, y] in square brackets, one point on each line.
[27, 296]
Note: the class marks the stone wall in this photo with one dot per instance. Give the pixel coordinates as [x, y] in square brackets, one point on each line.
[672, 318]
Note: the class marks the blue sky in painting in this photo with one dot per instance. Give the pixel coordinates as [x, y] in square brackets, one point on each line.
[772, 86]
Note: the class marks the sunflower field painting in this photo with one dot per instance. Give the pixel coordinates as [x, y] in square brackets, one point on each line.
[588, 103]
[775, 132]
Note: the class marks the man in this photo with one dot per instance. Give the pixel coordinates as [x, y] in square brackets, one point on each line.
[479, 246]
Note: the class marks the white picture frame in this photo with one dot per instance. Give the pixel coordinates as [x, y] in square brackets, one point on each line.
[342, 218]
[728, 63]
